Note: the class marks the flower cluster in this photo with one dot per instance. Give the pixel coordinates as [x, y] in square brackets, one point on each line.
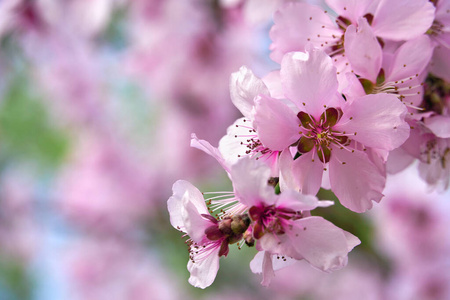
[361, 91]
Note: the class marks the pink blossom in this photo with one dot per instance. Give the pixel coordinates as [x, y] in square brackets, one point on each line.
[241, 138]
[330, 132]
[282, 226]
[209, 238]
[379, 72]
[434, 166]
[297, 24]
[431, 151]
[439, 30]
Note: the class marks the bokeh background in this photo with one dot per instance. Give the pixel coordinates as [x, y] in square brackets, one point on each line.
[98, 100]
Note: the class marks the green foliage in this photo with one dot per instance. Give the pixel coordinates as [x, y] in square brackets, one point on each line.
[26, 132]
[14, 280]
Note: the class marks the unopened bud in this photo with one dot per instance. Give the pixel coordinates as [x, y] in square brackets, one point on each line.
[225, 226]
[239, 224]
[248, 237]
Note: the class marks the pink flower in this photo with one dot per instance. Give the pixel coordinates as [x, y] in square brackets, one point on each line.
[329, 131]
[241, 138]
[432, 152]
[381, 72]
[209, 238]
[282, 226]
[297, 24]
[434, 166]
[439, 30]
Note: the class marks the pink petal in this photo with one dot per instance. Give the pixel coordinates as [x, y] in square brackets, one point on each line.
[351, 87]
[287, 180]
[439, 125]
[442, 12]
[175, 204]
[307, 172]
[204, 271]
[377, 120]
[184, 190]
[273, 83]
[209, 149]
[363, 50]
[296, 24]
[326, 180]
[416, 137]
[250, 178]
[279, 244]
[309, 80]
[403, 19]
[262, 263]
[352, 241]
[233, 145]
[276, 123]
[398, 160]
[299, 202]
[433, 174]
[194, 223]
[352, 9]
[443, 17]
[267, 263]
[440, 64]
[256, 265]
[356, 183]
[321, 243]
[410, 59]
[244, 87]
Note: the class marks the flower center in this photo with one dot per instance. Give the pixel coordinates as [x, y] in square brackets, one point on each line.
[319, 134]
[248, 137]
[271, 219]
[436, 29]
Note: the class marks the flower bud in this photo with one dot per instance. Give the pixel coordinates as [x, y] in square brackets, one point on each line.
[239, 224]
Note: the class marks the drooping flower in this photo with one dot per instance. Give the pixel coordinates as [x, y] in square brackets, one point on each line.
[279, 224]
[209, 238]
[282, 225]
